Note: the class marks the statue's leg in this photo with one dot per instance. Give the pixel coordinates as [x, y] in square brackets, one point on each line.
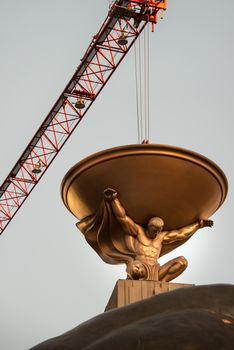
[172, 269]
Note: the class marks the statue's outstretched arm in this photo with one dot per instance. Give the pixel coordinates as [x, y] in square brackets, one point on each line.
[126, 222]
[186, 232]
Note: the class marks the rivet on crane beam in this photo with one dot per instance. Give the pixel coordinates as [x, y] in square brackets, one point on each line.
[37, 167]
[80, 104]
[123, 39]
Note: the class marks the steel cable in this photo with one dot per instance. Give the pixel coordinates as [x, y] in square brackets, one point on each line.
[137, 95]
[142, 86]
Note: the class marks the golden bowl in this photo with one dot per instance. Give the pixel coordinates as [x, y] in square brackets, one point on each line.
[176, 184]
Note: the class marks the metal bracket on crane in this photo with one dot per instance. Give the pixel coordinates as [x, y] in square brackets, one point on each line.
[140, 10]
[81, 93]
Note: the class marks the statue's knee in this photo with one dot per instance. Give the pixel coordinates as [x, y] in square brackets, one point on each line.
[183, 261]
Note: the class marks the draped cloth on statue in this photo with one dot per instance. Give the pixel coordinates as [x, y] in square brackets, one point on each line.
[103, 232]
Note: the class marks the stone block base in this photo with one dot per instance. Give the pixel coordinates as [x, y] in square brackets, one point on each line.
[128, 291]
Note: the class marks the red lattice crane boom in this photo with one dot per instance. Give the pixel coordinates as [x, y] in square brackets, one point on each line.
[125, 21]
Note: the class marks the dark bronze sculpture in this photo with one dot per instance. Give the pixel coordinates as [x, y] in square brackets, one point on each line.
[139, 247]
[194, 318]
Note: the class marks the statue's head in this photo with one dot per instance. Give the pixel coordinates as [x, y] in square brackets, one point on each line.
[154, 227]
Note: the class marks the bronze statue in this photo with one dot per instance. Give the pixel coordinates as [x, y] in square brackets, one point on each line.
[147, 243]
[136, 246]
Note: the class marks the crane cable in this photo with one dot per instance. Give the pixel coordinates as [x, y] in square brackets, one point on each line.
[142, 87]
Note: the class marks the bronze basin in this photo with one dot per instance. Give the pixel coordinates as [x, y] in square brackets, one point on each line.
[175, 184]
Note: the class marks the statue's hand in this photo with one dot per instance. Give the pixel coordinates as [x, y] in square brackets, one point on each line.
[110, 194]
[206, 223]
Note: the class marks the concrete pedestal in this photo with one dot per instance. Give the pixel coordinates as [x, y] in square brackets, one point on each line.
[128, 291]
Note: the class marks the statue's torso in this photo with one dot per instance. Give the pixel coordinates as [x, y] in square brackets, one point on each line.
[146, 249]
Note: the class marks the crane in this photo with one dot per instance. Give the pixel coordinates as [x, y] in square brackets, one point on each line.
[124, 23]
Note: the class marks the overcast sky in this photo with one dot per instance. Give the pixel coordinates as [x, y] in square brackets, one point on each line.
[51, 280]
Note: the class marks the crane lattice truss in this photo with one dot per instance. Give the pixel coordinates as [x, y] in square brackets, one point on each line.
[124, 23]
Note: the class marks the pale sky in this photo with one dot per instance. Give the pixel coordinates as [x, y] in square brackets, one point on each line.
[51, 279]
